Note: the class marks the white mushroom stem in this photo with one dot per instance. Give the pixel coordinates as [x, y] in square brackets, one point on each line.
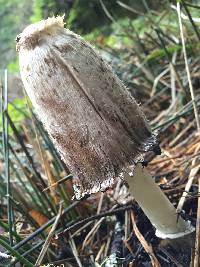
[156, 205]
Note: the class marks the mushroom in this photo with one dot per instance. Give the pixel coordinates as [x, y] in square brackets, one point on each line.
[96, 125]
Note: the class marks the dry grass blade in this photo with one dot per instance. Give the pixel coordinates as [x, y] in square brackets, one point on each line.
[58, 182]
[184, 17]
[109, 238]
[41, 153]
[181, 134]
[111, 212]
[128, 246]
[147, 247]
[81, 229]
[89, 237]
[133, 10]
[100, 252]
[74, 250]
[91, 233]
[97, 224]
[187, 68]
[194, 170]
[157, 79]
[171, 107]
[48, 240]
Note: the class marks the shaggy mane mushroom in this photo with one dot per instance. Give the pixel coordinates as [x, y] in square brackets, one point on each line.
[96, 125]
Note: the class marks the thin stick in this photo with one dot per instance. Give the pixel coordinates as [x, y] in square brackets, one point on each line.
[100, 252]
[74, 250]
[94, 229]
[48, 240]
[194, 170]
[147, 247]
[92, 232]
[129, 247]
[187, 68]
[81, 229]
[92, 218]
[64, 179]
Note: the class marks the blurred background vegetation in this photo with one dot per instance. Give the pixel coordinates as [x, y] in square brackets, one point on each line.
[82, 16]
[141, 40]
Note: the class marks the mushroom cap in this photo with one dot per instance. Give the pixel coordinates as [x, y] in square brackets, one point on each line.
[94, 122]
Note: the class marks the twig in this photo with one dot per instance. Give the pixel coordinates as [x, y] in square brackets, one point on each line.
[96, 226]
[147, 247]
[64, 179]
[128, 247]
[92, 232]
[109, 238]
[74, 250]
[92, 218]
[98, 256]
[49, 237]
[81, 229]
[194, 170]
[187, 68]
[100, 203]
